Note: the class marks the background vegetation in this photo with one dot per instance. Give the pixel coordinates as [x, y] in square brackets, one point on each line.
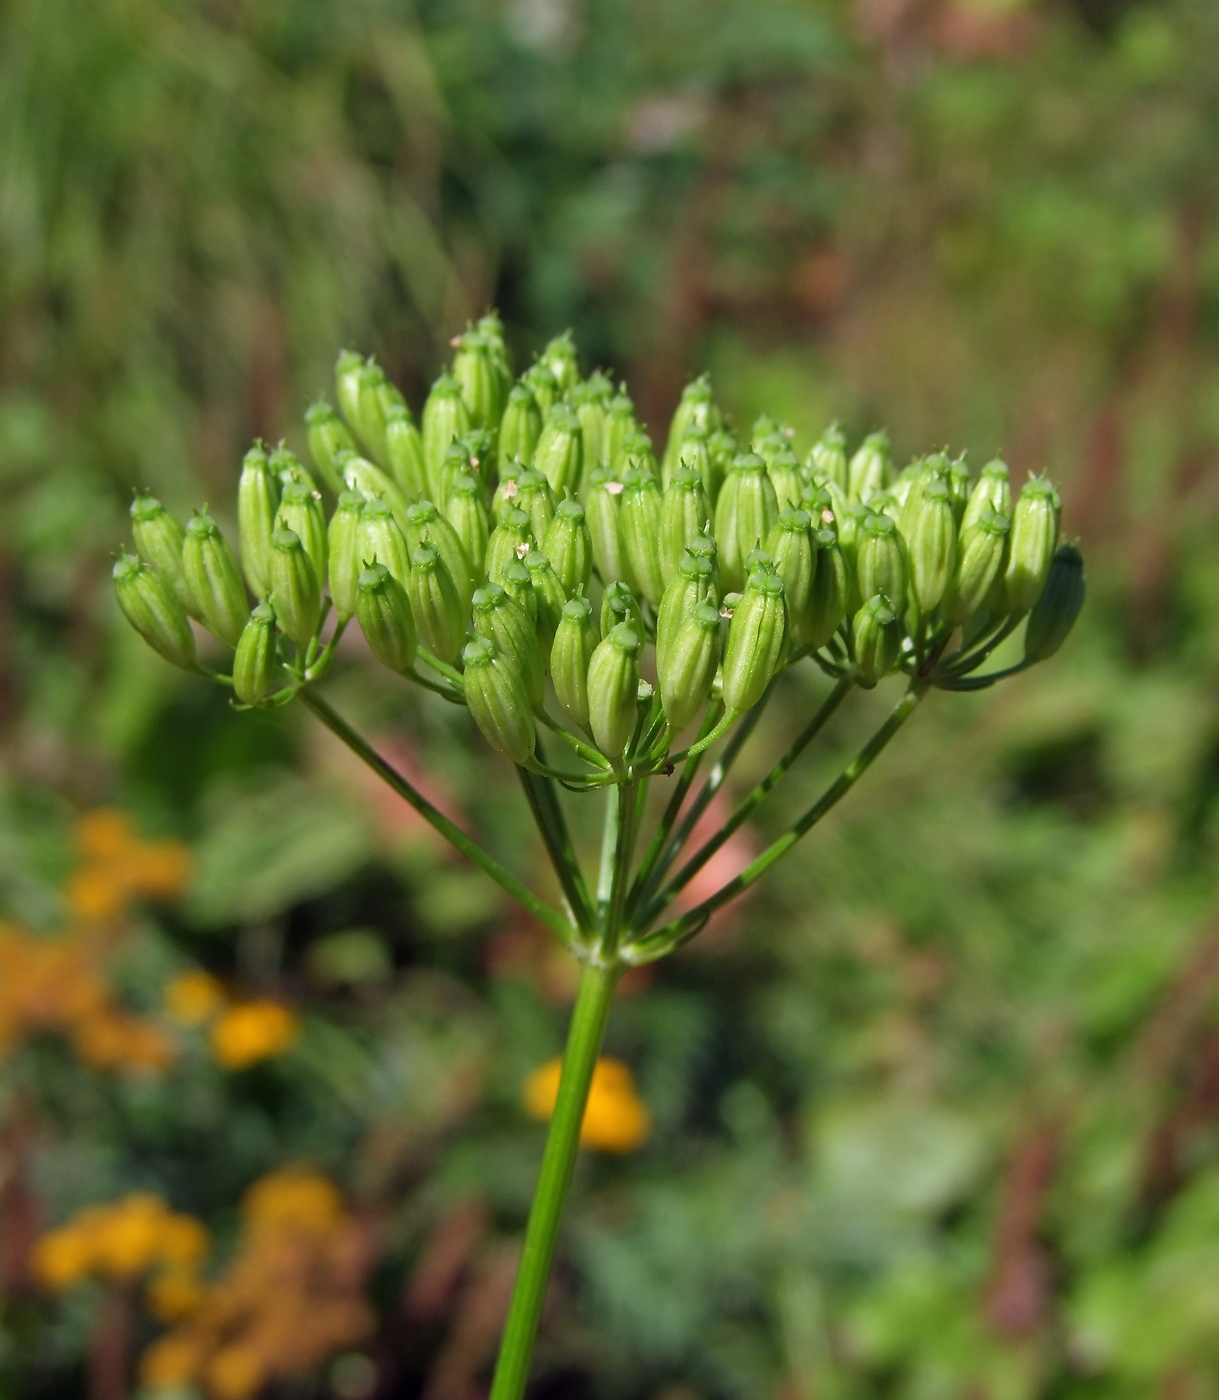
[935, 1116]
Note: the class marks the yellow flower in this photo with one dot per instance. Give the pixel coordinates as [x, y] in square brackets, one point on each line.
[194, 997]
[62, 1258]
[293, 1200]
[235, 1373]
[172, 1362]
[252, 1031]
[119, 1241]
[615, 1119]
[175, 1294]
[127, 1237]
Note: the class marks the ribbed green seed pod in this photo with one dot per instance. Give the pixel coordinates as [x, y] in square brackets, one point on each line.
[158, 539]
[723, 449]
[359, 474]
[559, 455]
[637, 452]
[791, 548]
[982, 552]
[404, 453]
[915, 480]
[497, 701]
[517, 583]
[639, 517]
[343, 551]
[383, 611]
[1054, 613]
[991, 491]
[426, 525]
[877, 633]
[375, 396]
[154, 610]
[549, 595]
[620, 424]
[543, 386]
[456, 464]
[829, 457]
[745, 514]
[436, 605]
[445, 417]
[295, 591]
[785, 476]
[560, 359]
[757, 641]
[602, 515]
[613, 688]
[568, 545]
[328, 436]
[499, 618]
[491, 328]
[476, 371]
[695, 410]
[466, 511]
[764, 428]
[213, 580]
[692, 583]
[931, 547]
[619, 604]
[694, 451]
[850, 534]
[686, 666]
[827, 599]
[1033, 542]
[589, 399]
[256, 668]
[511, 539]
[536, 499]
[870, 468]
[683, 515]
[959, 486]
[520, 427]
[881, 560]
[380, 540]
[287, 467]
[347, 386]
[258, 495]
[300, 509]
[575, 639]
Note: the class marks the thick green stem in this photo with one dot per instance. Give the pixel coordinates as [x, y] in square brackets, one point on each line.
[562, 1142]
[747, 805]
[435, 817]
[673, 935]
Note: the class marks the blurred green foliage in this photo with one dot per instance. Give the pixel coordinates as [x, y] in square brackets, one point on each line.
[936, 1117]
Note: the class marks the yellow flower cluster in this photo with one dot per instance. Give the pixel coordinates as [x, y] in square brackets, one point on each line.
[59, 984]
[121, 1242]
[116, 867]
[290, 1298]
[615, 1120]
[242, 1032]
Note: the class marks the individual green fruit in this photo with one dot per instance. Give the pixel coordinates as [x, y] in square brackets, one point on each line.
[426, 525]
[870, 469]
[466, 511]
[383, 611]
[287, 467]
[497, 701]
[517, 583]
[504, 622]
[154, 610]
[791, 548]
[549, 595]
[560, 359]
[619, 604]
[511, 539]
[376, 396]
[359, 474]
[343, 552]
[445, 417]
[300, 509]
[1033, 542]
[508, 486]
[535, 498]
[991, 491]
[543, 386]
[982, 552]
[328, 437]
[568, 545]
[694, 451]
[213, 580]
[686, 665]
[620, 426]
[757, 641]
[477, 372]
[575, 639]
[744, 516]
[602, 513]
[404, 453]
[829, 457]
[256, 669]
[877, 633]
[347, 371]
[695, 410]
[827, 599]
[520, 427]
[639, 520]
[931, 546]
[636, 451]
[1054, 613]
[295, 590]
[683, 515]
[590, 399]
[613, 688]
[158, 539]
[785, 476]
[436, 605]
[380, 541]
[692, 583]
[258, 494]
[559, 455]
